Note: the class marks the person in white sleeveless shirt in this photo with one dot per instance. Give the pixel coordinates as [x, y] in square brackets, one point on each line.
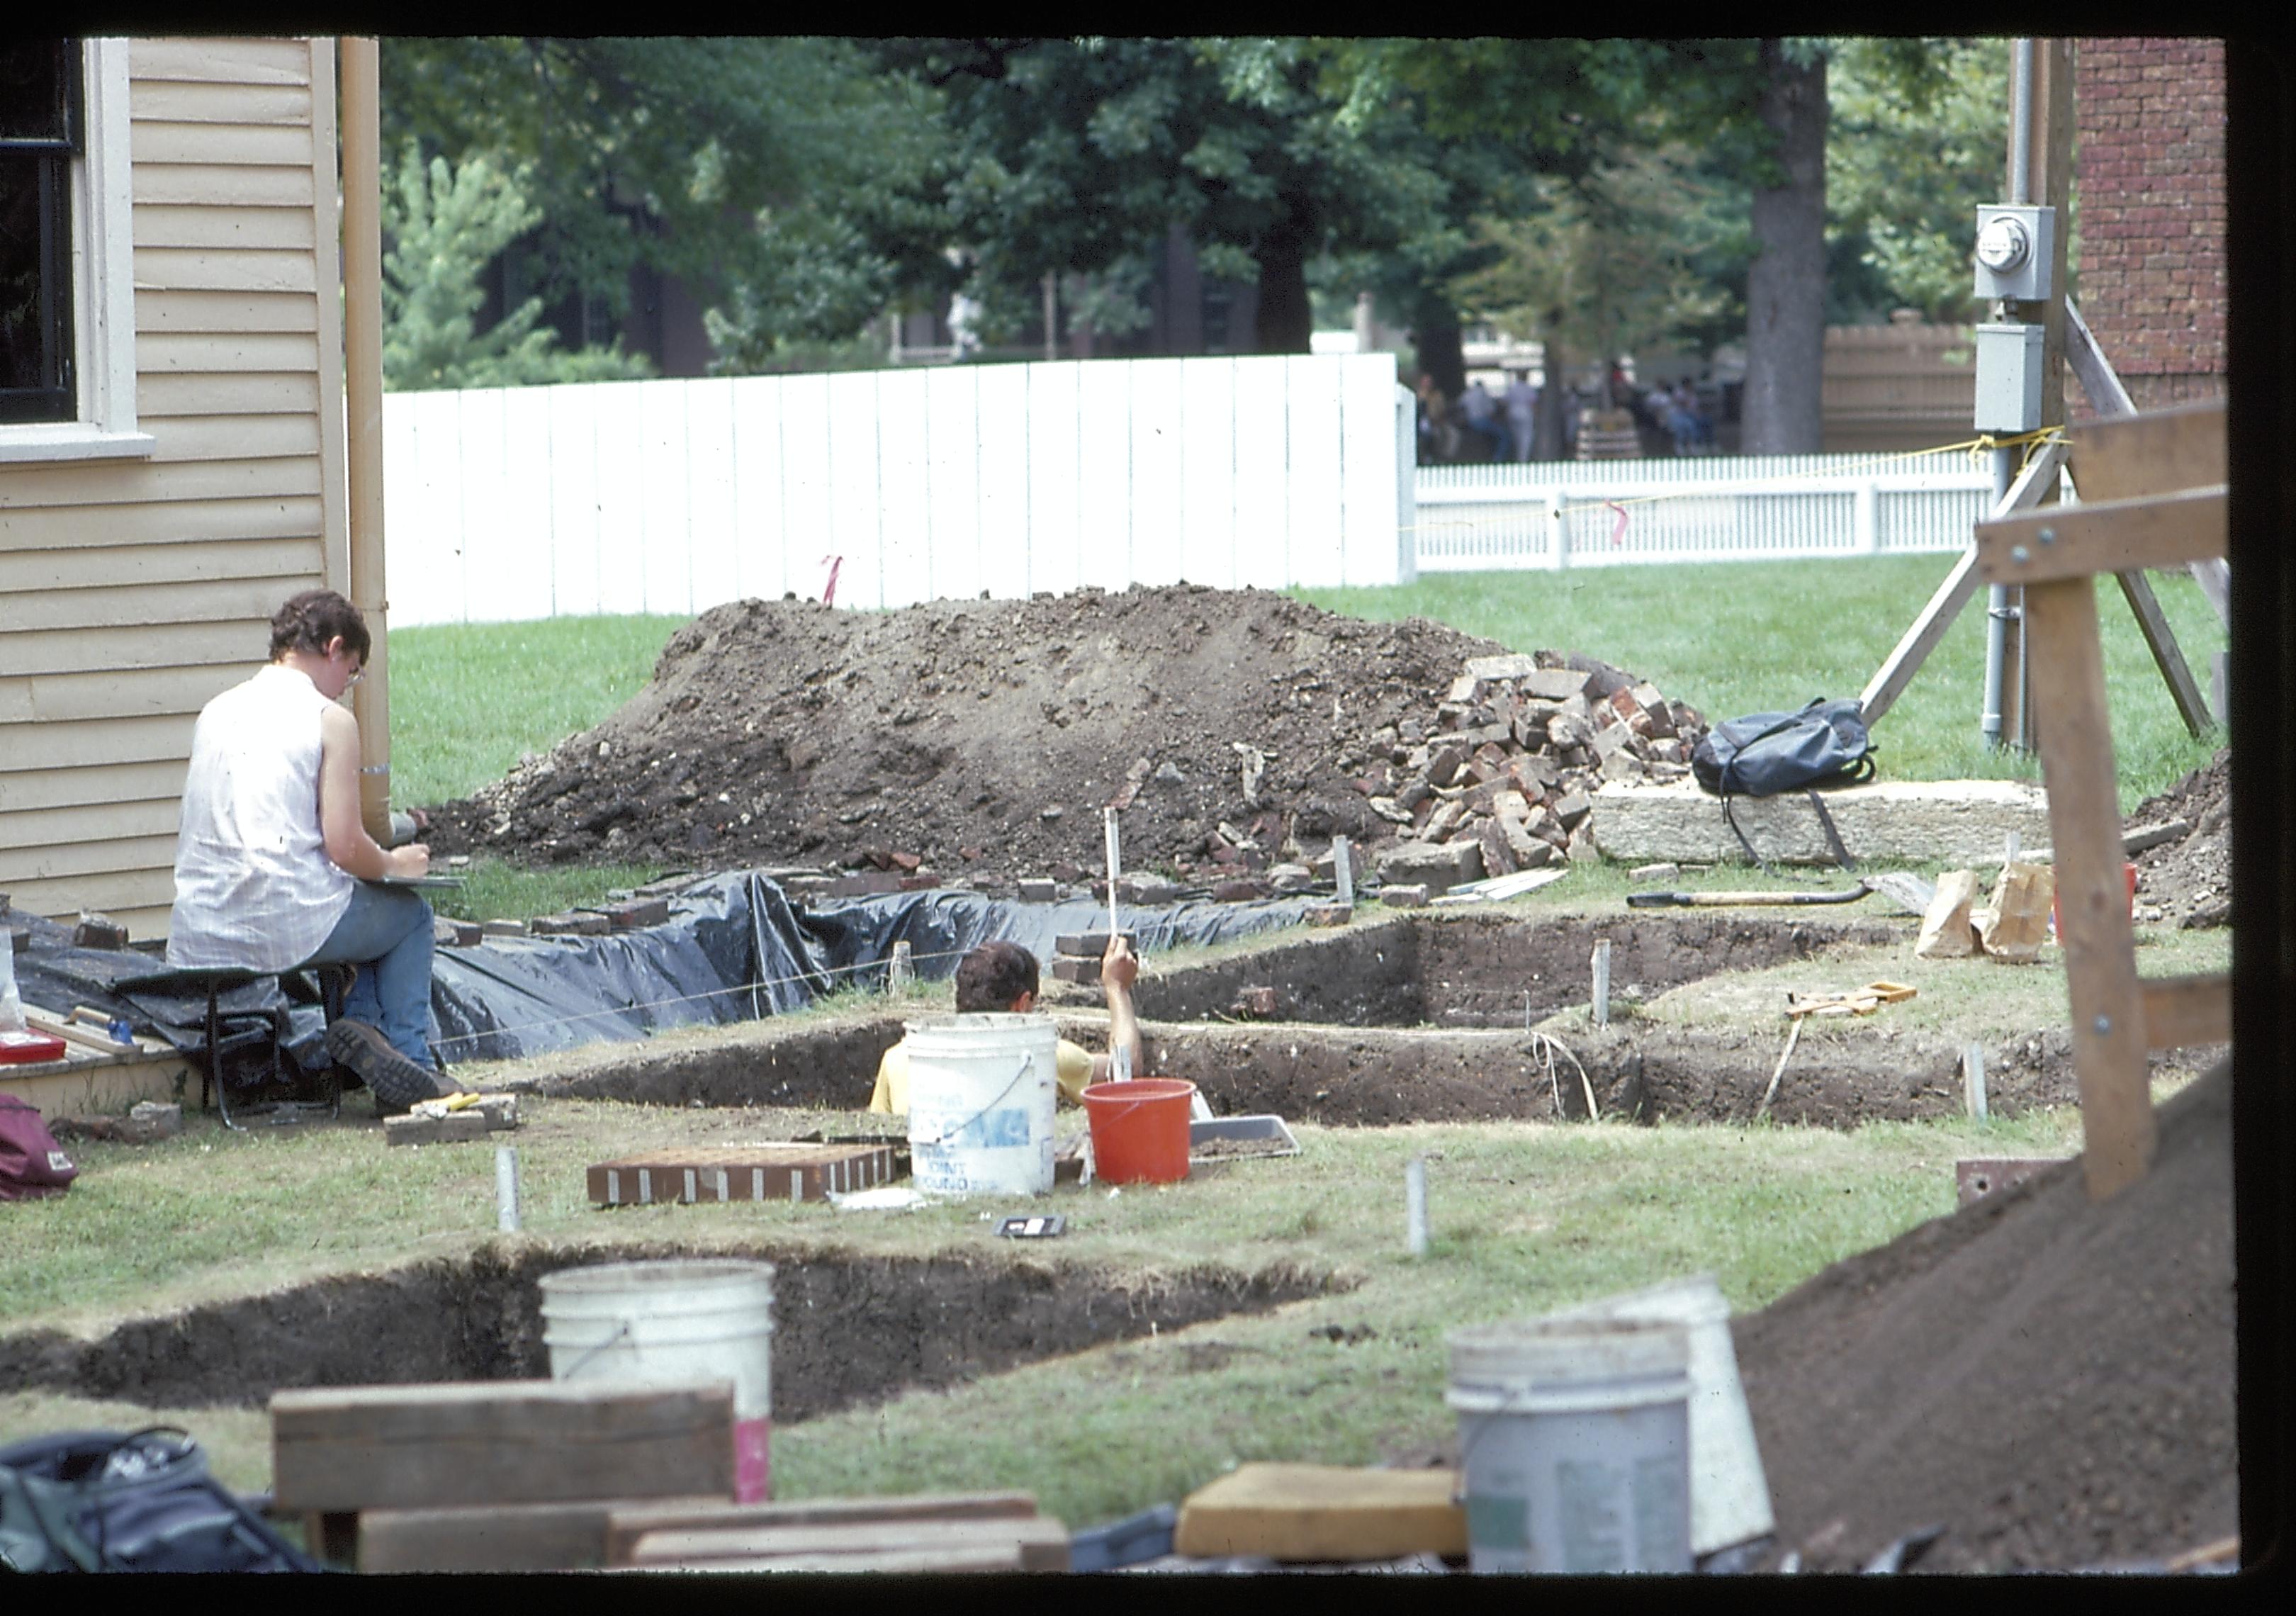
[274, 869]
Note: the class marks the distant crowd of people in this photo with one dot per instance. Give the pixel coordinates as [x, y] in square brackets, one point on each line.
[1477, 426]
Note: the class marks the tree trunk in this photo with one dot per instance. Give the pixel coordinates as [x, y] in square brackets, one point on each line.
[1435, 343]
[1285, 319]
[1786, 286]
[1554, 400]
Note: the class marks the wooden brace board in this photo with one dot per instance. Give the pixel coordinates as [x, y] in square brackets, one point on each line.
[2118, 536]
[741, 1172]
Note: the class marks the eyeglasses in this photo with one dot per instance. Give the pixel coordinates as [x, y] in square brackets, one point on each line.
[354, 678]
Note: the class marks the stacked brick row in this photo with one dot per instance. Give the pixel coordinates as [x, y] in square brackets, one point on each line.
[1503, 779]
[2149, 115]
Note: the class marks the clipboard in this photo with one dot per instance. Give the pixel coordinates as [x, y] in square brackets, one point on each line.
[429, 883]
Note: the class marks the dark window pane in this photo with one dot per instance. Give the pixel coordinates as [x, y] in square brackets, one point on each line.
[34, 79]
[36, 383]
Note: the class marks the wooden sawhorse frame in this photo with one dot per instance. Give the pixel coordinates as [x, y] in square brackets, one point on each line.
[2153, 492]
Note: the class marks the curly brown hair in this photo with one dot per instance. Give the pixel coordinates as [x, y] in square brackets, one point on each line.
[313, 620]
[993, 976]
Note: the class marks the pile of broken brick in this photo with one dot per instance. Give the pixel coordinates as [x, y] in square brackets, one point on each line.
[1504, 780]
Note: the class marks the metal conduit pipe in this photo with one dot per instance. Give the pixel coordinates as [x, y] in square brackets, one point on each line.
[362, 142]
[1997, 617]
[2021, 118]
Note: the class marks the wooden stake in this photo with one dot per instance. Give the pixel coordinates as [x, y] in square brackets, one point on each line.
[1603, 983]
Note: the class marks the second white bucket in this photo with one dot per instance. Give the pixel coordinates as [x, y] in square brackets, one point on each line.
[981, 1094]
[1574, 1445]
[1729, 1495]
[673, 1323]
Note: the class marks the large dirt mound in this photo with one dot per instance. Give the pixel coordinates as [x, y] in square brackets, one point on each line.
[981, 740]
[2189, 878]
[2050, 1380]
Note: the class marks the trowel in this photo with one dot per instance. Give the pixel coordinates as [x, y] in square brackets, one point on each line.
[1908, 891]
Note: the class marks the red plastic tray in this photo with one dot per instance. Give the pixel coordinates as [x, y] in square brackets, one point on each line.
[24, 1049]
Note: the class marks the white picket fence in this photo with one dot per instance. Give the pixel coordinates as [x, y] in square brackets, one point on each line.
[1483, 518]
[677, 496]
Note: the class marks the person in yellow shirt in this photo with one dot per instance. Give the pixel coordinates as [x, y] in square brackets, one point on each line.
[1002, 976]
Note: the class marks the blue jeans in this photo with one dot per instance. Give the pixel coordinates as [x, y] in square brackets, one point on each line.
[386, 933]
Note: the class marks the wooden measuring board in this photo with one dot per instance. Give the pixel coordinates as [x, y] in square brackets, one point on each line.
[743, 1172]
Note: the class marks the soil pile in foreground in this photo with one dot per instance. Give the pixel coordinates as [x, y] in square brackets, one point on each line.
[982, 739]
[2050, 1380]
[2189, 878]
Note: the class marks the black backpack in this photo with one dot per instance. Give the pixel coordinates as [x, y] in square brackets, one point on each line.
[138, 1501]
[1766, 753]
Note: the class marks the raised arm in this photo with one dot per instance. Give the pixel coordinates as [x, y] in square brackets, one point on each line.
[352, 850]
[1120, 968]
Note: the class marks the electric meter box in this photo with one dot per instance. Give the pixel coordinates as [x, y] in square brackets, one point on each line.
[2009, 374]
[2016, 247]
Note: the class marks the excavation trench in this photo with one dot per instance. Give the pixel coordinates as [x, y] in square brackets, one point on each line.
[847, 1328]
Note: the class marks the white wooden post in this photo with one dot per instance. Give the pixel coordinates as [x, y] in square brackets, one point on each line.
[1867, 526]
[1558, 533]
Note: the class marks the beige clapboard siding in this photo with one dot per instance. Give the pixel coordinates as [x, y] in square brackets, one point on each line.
[228, 62]
[241, 228]
[25, 533]
[166, 739]
[29, 654]
[115, 819]
[132, 592]
[57, 612]
[98, 853]
[254, 146]
[137, 482]
[178, 310]
[103, 694]
[176, 101]
[252, 393]
[295, 352]
[127, 569]
[87, 783]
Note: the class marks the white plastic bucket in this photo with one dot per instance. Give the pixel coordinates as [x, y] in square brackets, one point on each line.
[673, 1323]
[981, 1094]
[1574, 1445]
[1729, 1495]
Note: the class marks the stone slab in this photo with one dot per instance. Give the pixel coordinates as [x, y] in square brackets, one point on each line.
[1955, 821]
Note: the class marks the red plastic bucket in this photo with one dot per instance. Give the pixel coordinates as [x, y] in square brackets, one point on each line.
[1140, 1129]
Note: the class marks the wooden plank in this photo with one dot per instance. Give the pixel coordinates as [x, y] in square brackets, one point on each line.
[2099, 939]
[66, 611]
[573, 439]
[221, 61]
[105, 845]
[207, 352]
[275, 229]
[1002, 466]
[490, 1537]
[2157, 452]
[72, 1032]
[165, 739]
[952, 480]
[25, 785]
[804, 487]
[158, 646]
[1323, 1513]
[1042, 1542]
[1312, 476]
[220, 269]
[120, 570]
[629, 1523]
[172, 523]
[423, 556]
[904, 512]
[988, 1558]
[1159, 523]
[223, 185]
[2181, 1011]
[76, 698]
[2091, 369]
[99, 1086]
[180, 101]
[226, 310]
[761, 563]
[1263, 559]
[143, 820]
[2160, 639]
[288, 392]
[2118, 536]
[1368, 541]
[252, 144]
[665, 476]
[1208, 470]
[1915, 645]
[748, 1172]
[211, 437]
[499, 1443]
[99, 484]
[711, 510]
[1104, 509]
[1057, 540]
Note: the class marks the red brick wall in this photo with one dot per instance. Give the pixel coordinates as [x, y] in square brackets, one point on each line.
[2150, 166]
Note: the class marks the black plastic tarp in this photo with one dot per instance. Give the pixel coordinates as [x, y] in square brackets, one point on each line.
[735, 948]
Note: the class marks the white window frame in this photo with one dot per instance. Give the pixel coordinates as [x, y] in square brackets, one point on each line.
[103, 283]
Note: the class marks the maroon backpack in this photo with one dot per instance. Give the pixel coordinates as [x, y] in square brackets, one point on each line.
[31, 1163]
